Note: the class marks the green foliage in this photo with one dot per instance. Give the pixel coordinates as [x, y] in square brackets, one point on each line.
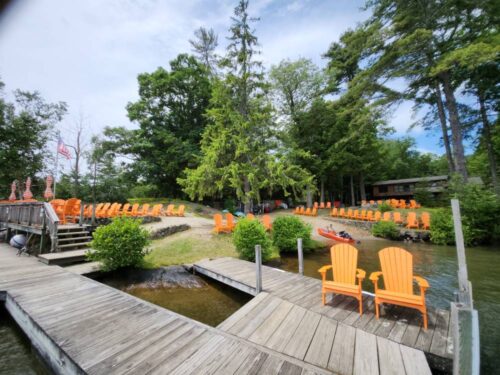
[442, 232]
[144, 191]
[249, 233]
[386, 229]
[119, 244]
[25, 128]
[230, 204]
[286, 231]
[385, 207]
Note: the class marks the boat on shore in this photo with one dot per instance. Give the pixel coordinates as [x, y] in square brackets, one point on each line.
[331, 234]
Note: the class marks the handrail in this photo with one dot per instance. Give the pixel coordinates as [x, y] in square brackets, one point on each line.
[464, 318]
[32, 214]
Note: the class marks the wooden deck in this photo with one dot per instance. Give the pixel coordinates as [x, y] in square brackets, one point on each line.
[295, 301]
[82, 326]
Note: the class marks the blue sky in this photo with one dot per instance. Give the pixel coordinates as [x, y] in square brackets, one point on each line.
[89, 53]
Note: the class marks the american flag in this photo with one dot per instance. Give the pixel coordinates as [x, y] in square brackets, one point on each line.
[62, 149]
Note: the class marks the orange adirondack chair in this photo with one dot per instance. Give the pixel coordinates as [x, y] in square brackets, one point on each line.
[369, 215]
[308, 211]
[411, 220]
[397, 271]
[102, 212]
[297, 210]
[356, 215]
[341, 212]
[266, 221]
[250, 216]
[156, 210]
[230, 221]
[328, 204]
[302, 212]
[124, 210]
[144, 211]
[386, 216]
[58, 206]
[315, 205]
[115, 210]
[414, 204]
[219, 226]
[363, 202]
[350, 214]
[334, 212]
[377, 216]
[88, 212]
[170, 210]
[363, 215]
[314, 212]
[180, 211]
[396, 217]
[380, 202]
[322, 205]
[68, 211]
[426, 220]
[134, 210]
[372, 202]
[345, 272]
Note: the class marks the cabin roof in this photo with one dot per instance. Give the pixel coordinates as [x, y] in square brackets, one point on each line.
[411, 180]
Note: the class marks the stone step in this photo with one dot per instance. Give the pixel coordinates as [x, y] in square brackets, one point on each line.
[64, 257]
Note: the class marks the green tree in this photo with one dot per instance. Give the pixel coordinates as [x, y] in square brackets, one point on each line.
[238, 147]
[25, 129]
[204, 46]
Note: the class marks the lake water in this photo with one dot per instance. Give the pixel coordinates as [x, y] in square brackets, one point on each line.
[438, 264]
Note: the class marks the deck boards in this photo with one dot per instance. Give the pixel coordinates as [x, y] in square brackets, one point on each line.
[397, 325]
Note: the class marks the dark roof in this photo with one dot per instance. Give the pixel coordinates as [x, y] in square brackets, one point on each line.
[411, 180]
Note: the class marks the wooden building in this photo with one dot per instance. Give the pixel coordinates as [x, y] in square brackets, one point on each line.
[405, 188]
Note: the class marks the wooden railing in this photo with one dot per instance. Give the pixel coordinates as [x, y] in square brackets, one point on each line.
[464, 318]
[33, 217]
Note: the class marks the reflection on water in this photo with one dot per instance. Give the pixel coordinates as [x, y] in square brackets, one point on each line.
[210, 303]
[438, 264]
[16, 356]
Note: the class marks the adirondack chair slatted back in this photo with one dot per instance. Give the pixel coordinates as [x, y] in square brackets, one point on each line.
[344, 263]
[181, 210]
[369, 215]
[308, 211]
[412, 219]
[396, 217]
[397, 268]
[125, 208]
[145, 209]
[230, 220]
[135, 208]
[342, 212]
[328, 204]
[69, 207]
[387, 216]
[334, 211]
[266, 221]
[349, 213]
[302, 210]
[377, 216]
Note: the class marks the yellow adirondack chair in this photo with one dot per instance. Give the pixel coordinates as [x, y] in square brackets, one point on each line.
[426, 220]
[219, 226]
[397, 271]
[411, 220]
[396, 217]
[345, 272]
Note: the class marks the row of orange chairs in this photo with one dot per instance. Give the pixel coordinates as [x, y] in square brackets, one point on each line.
[69, 210]
[397, 272]
[229, 224]
[394, 203]
[301, 210]
[322, 205]
[370, 215]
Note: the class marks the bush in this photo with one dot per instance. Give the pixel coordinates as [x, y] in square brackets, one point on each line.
[144, 191]
[119, 244]
[230, 205]
[386, 229]
[384, 207]
[286, 231]
[442, 232]
[249, 233]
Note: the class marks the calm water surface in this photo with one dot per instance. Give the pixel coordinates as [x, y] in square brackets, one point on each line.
[438, 264]
[16, 355]
[211, 304]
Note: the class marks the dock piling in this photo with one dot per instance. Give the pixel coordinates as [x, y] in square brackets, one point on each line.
[301, 256]
[258, 265]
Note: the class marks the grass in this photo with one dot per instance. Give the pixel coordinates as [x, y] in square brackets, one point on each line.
[166, 252]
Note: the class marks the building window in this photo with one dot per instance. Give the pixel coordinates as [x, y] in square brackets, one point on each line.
[399, 188]
[382, 189]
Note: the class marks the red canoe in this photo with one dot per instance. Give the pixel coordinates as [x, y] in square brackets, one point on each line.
[333, 236]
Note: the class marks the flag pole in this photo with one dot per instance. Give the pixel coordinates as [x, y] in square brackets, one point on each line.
[57, 164]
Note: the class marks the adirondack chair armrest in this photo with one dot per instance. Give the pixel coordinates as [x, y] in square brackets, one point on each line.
[323, 271]
[422, 283]
[361, 274]
[374, 276]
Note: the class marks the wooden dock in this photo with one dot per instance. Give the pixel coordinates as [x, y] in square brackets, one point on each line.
[325, 331]
[81, 326]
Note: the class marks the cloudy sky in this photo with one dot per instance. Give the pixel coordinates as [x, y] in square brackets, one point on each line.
[89, 53]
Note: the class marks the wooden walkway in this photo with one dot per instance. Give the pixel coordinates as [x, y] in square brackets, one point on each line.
[82, 326]
[331, 335]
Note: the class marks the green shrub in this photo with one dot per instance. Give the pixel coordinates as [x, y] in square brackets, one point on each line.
[119, 244]
[230, 204]
[249, 233]
[442, 232]
[386, 229]
[384, 207]
[286, 231]
[144, 191]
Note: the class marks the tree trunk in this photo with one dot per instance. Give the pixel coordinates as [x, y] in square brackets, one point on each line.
[353, 198]
[362, 191]
[444, 128]
[456, 129]
[309, 200]
[489, 143]
[247, 202]
[322, 191]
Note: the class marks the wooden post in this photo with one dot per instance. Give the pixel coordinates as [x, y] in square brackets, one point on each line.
[463, 279]
[258, 265]
[301, 256]
[81, 213]
[93, 214]
[42, 236]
